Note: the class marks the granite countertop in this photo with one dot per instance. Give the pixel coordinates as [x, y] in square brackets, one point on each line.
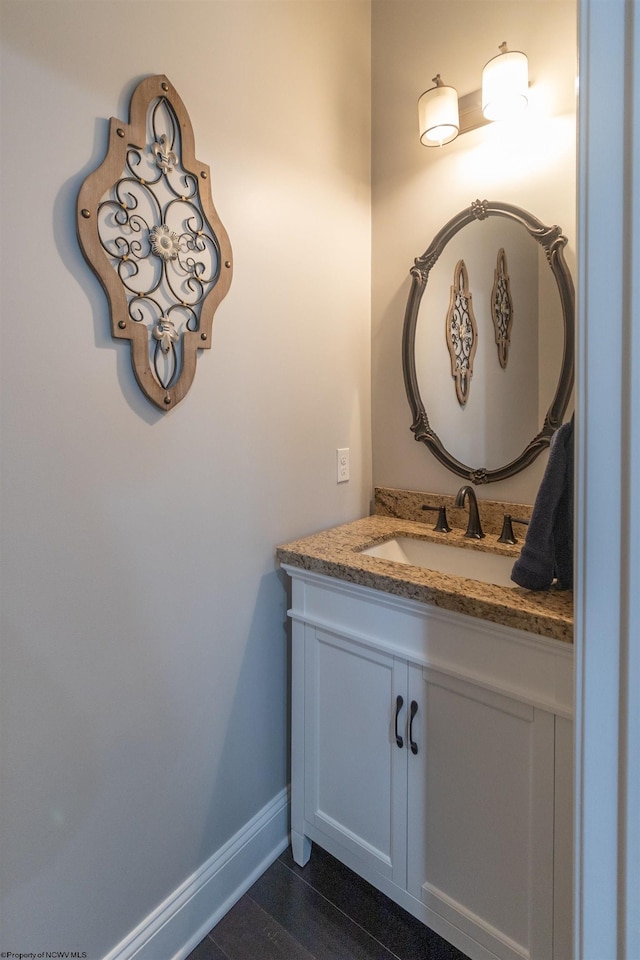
[335, 553]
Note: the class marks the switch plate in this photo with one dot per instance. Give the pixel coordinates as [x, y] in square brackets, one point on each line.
[342, 464]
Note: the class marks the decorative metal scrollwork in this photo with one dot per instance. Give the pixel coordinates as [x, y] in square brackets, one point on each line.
[148, 228]
[502, 308]
[462, 332]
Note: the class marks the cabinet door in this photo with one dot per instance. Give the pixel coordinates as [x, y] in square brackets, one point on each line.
[480, 820]
[355, 772]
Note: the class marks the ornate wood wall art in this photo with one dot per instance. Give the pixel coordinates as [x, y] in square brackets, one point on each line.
[148, 227]
[502, 308]
[462, 333]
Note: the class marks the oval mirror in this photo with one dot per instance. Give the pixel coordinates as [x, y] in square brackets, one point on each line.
[488, 341]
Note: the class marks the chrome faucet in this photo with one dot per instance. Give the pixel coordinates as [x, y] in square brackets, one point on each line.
[474, 527]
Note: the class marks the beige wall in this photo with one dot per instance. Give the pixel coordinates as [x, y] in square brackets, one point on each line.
[416, 190]
[144, 660]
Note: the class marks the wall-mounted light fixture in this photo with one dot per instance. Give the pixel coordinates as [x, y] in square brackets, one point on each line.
[443, 115]
[505, 84]
[438, 113]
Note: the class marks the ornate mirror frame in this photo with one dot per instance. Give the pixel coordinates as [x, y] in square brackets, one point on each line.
[553, 242]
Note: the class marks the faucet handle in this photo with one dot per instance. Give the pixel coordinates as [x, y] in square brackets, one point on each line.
[441, 523]
[507, 535]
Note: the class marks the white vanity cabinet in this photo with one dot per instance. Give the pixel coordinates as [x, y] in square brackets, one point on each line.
[431, 753]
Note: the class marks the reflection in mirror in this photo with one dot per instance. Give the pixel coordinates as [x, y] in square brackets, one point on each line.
[462, 332]
[520, 390]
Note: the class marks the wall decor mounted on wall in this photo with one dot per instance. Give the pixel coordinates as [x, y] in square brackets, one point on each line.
[502, 308]
[462, 333]
[148, 227]
[477, 228]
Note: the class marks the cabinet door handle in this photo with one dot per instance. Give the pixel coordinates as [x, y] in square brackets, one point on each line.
[412, 743]
[399, 703]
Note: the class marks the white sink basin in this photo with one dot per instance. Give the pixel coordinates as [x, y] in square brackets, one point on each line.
[474, 564]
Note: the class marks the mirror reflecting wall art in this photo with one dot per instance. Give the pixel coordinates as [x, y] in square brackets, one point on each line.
[502, 307]
[462, 332]
[527, 309]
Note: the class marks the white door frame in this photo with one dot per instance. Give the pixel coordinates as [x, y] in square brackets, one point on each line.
[607, 818]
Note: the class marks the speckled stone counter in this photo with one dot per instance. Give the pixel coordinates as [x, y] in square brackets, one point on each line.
[335, 553]
[407, 505]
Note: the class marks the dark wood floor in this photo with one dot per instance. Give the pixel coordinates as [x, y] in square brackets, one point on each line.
[321, 911]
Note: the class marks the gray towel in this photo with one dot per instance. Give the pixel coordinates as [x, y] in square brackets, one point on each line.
[547, 553]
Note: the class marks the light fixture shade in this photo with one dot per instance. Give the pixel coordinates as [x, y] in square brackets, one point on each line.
[505, 84]
[438, 115]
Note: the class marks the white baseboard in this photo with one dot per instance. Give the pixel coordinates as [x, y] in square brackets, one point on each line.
[178, 924]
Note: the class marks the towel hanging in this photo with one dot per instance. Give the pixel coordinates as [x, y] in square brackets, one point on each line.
[547, 553]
